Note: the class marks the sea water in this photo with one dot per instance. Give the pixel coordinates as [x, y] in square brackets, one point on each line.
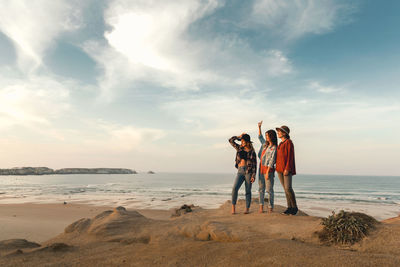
[316, 195]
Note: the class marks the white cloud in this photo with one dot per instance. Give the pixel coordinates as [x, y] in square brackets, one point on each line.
[325, 89]
[32, 102]
[122, 138]
[33, 26]
[277, 63]
[149, 41]
[151, 33]
[221, 116]
[295, 18]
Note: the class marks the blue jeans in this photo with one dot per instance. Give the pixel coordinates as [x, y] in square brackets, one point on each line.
[266, 185]
[240, 178]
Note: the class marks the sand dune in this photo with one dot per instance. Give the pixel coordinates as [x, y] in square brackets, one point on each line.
[201, 238]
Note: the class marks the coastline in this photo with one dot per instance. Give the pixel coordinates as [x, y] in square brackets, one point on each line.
[318, 209]
[317, 196]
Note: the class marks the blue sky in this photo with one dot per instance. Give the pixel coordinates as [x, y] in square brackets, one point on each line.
[162, 85]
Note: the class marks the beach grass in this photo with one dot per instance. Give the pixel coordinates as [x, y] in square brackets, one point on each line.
[346, 227]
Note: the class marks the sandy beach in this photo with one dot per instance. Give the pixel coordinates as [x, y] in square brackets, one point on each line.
[84, 235]
[40, 222]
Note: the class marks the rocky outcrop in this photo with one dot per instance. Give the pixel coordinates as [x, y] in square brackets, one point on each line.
[94, 171]
[17, 244]
[27, 171]
[45, 170]
[118, 225]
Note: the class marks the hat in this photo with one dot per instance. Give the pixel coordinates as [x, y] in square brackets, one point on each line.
[284, 129]
[246, 138]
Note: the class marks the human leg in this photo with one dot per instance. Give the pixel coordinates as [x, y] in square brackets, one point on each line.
[261, 190]
[248, 191]
[290, 193]
[240, 178]
[284, 185]
[269, 184]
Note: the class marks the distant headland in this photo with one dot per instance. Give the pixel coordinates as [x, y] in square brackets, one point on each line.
[48, 171]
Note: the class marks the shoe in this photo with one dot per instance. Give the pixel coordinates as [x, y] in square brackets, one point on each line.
[294, 211]
[287, 211]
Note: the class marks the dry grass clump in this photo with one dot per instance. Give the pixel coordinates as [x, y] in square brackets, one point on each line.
[346, 227]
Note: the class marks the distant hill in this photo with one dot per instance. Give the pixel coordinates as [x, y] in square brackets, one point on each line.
[47, 171]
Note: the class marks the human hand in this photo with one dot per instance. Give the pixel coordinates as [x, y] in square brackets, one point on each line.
[259, 124]
[252, 180]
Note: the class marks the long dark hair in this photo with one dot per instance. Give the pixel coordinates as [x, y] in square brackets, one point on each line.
[250, 144]
[272, 135]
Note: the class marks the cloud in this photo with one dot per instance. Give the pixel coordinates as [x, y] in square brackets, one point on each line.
[153, 42]
[122, 138]
[295, 18]
[278, 64]
[150, 33]
[33, 26]
[325, 89]
[147, 42]
[221, 116]
[32, 102]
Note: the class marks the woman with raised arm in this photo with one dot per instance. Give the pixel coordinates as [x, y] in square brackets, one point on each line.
[286, 168]
[246, 163]
[266, 173]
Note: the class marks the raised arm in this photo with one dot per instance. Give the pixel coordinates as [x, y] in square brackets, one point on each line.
[260, 136]
[233, 143]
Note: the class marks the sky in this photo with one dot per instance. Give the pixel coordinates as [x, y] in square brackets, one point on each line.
[162, 85]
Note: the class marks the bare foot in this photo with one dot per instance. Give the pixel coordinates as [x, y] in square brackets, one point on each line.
[246, 211]
[233, 210]
[270, 210]
[261, 209]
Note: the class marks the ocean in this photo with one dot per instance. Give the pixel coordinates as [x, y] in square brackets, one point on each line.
[317, 195]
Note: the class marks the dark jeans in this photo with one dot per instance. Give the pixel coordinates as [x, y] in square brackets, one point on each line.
[286, 182]
[240, 178]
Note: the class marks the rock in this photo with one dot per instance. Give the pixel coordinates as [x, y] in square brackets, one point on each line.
[150, 172]
[183, 210]
[120, 208]
[203, 236]
[45, 170]
[78, 226]
[209, 231]
[56, 247]
[94, 171]
[15, 253]
[27, 171]
[117, 225]
[17, 244]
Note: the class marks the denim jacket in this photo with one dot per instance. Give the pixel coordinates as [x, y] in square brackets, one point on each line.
[269, 158]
